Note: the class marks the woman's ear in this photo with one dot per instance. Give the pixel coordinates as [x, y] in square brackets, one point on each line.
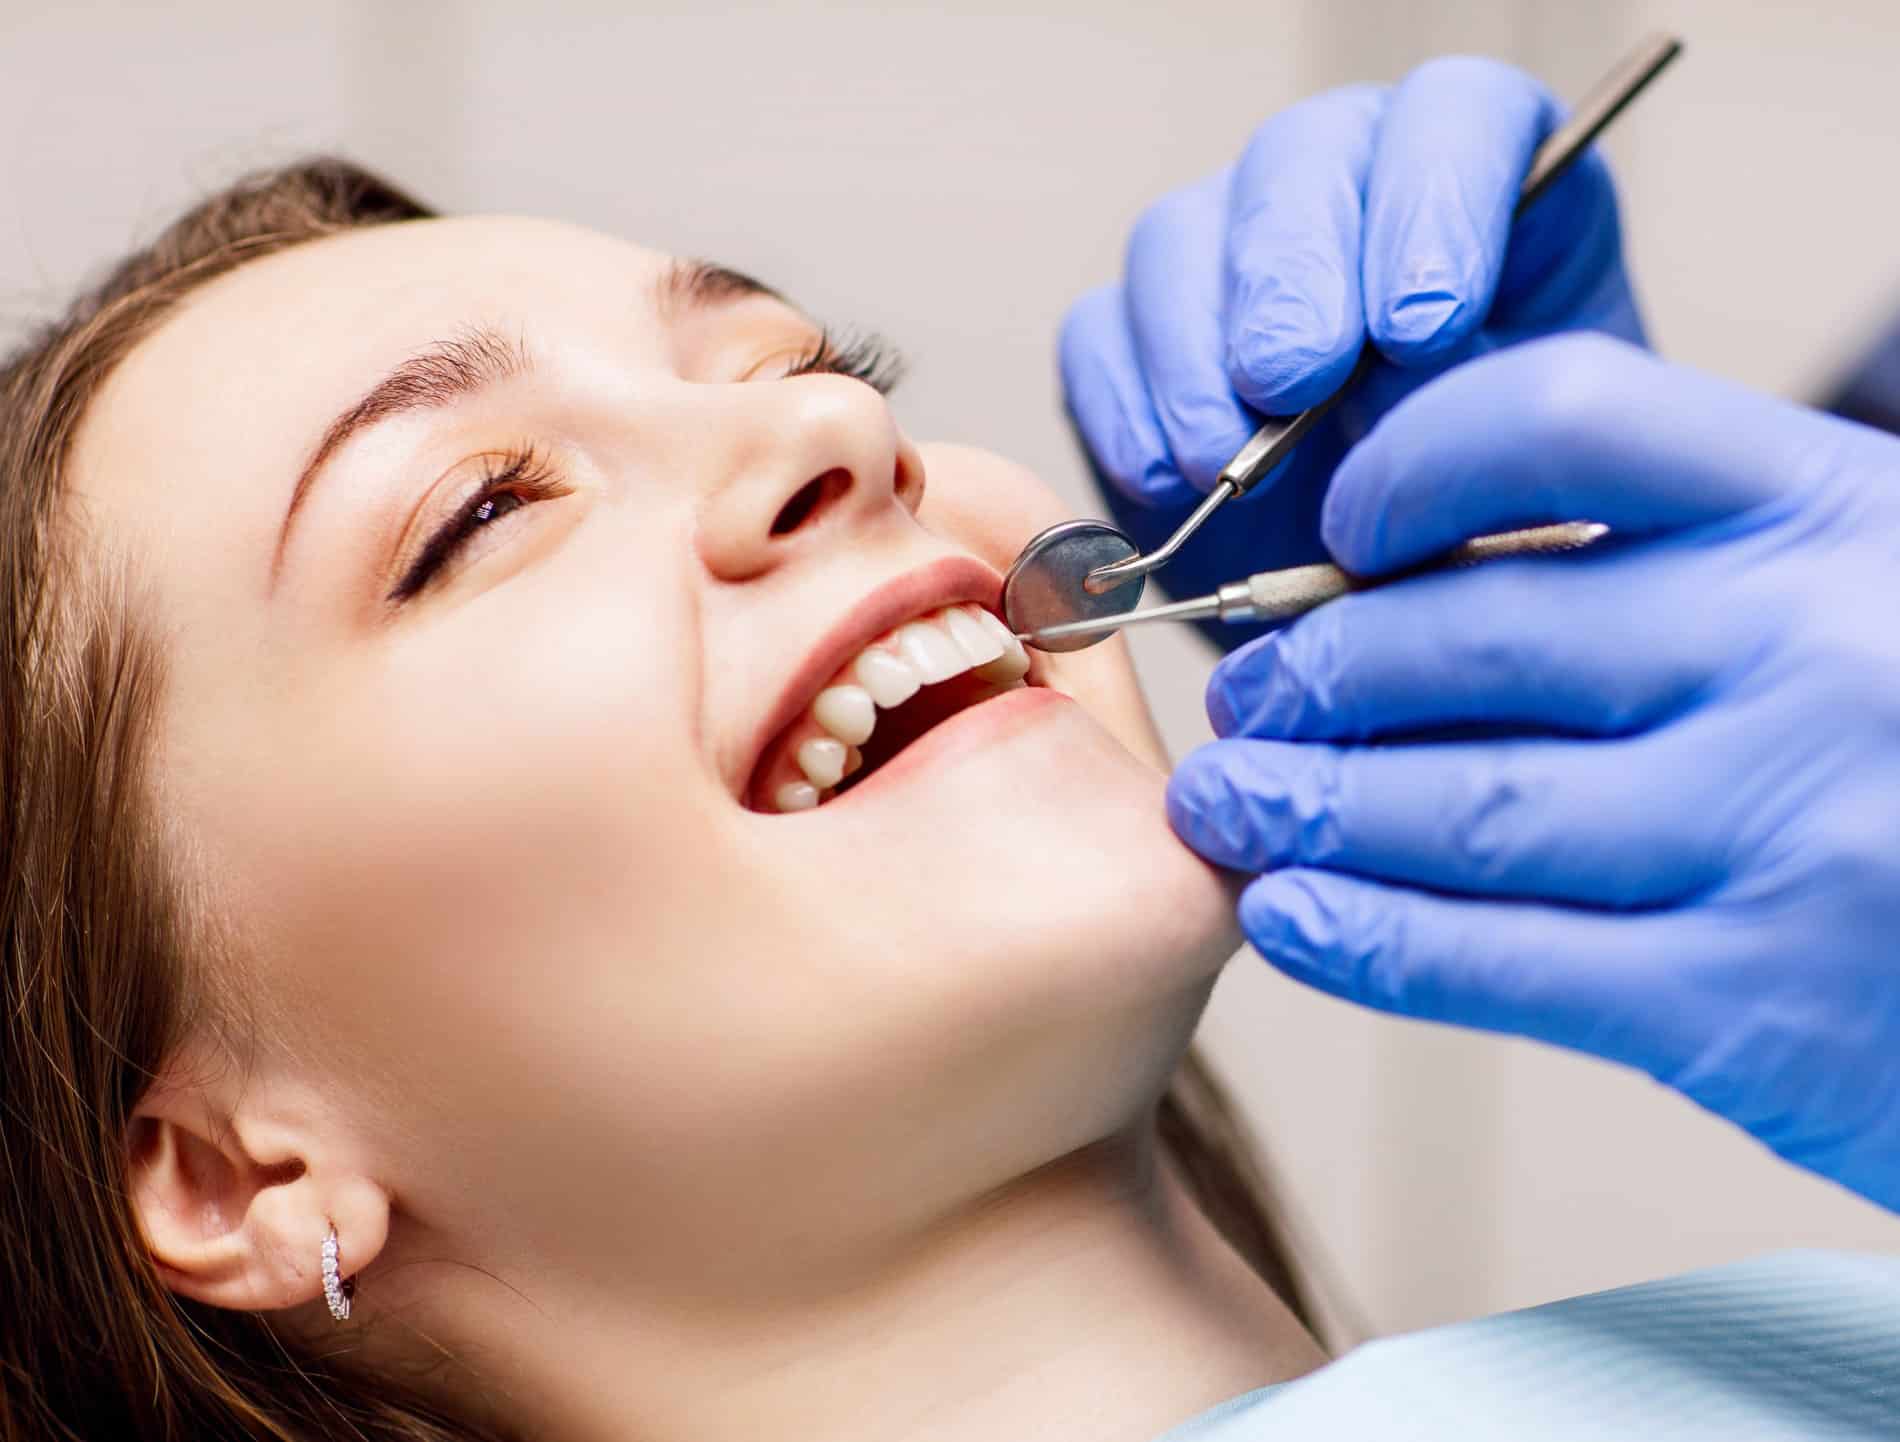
[235, 1186]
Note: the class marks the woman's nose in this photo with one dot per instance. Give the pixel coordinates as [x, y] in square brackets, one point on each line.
[806, 458]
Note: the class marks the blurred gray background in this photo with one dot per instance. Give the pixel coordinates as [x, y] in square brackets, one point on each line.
[954, 177]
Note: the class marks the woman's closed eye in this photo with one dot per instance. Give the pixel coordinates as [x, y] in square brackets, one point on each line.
[523, 475]
[869, 358]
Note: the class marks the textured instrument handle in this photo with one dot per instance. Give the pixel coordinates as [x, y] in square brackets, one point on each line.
[1282, 595]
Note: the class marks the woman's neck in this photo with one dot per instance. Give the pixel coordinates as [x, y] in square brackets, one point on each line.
[1089, 1300]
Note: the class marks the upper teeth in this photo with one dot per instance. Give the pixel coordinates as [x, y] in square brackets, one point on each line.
[887, 673]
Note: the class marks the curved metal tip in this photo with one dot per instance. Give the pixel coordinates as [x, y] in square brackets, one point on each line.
[1045, 587]
[1107, 578]
[1120, 573]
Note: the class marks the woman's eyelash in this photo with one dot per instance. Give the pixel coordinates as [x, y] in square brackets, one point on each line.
[869, 358]
[522, 473]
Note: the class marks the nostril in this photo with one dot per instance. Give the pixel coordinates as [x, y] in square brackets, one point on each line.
[811, 498]
[908, 482]
[803, 502]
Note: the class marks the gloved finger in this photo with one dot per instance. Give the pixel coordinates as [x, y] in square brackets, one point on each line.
[1576, 427]
[1603, 982]
[1173, 282]
[1294, 318]
[1543, 643]
[1537, 819]
[1563, 264]
[1454, 146]
[1108, 401]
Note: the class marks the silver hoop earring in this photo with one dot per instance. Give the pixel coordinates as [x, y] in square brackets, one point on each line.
[336, 1291]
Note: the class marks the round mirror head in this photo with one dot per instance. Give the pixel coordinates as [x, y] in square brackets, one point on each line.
[1044, 587]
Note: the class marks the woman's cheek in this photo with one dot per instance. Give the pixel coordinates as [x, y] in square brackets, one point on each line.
[985, 503]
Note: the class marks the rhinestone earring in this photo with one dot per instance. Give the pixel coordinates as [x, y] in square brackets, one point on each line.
[336, 1291]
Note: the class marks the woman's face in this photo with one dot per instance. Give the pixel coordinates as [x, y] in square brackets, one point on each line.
[503, 834]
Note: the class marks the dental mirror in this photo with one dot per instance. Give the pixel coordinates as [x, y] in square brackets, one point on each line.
[1044, 587]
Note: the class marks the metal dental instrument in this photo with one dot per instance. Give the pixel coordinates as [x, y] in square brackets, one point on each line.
[1077, 582]
[1282, 595]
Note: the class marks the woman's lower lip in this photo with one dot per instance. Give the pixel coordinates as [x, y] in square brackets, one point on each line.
[981, 725]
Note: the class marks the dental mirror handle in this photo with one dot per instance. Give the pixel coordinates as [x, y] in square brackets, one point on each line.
[1284, 594]
[1270, 445]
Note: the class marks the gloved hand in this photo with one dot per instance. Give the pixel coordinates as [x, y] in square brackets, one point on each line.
[1687, 856]
[1367, 210]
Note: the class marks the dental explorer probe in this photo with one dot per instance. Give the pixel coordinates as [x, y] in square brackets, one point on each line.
[1079, 571]
[1269, 445]
[1284, 594]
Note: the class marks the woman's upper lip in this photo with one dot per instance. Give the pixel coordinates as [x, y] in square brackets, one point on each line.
[943, 582]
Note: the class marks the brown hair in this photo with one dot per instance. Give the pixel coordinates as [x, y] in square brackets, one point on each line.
[103, 933]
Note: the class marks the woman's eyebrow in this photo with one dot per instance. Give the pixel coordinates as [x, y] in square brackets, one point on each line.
[688, 284]
[434, 377]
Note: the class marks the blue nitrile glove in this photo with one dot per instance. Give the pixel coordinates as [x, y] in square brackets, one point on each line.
[1381, 210]
[1687, 858]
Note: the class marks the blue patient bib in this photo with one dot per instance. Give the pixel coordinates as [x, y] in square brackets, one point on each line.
[1792, 1347]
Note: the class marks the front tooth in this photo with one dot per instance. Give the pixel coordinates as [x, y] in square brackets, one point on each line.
[853, 759]
[797, 796]
[822, 760]
[891, 680]
[1006, 668]
[1013, 664]
[846, 712]
[933, 655]
[993, 623]
[979, 645]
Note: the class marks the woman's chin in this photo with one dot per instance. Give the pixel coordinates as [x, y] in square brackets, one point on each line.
[1079, 833]
[1031, 850]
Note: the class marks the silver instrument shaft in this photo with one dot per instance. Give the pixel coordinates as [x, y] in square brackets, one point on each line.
[1275, 440]
[1284, 594]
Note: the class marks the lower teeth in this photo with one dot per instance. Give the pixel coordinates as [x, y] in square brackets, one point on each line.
[804, 794]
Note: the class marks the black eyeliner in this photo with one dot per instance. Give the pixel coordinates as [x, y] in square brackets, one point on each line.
[449, 534]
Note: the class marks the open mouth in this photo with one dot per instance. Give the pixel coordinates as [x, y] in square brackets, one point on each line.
[898, 688]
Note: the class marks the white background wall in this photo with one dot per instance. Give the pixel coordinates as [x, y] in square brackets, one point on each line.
[954, 176]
